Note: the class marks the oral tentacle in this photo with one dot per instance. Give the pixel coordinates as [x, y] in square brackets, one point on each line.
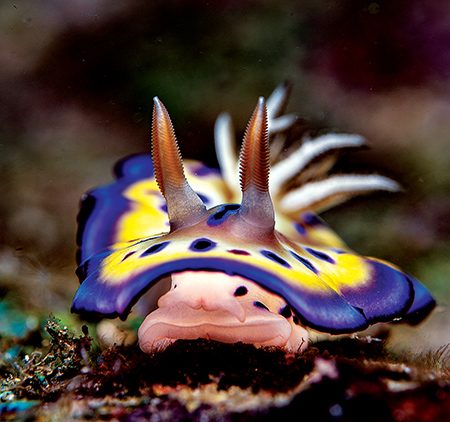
[264, 322]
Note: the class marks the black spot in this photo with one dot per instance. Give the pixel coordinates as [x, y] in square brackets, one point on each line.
[231, 207]
[296, 320]
[311, 219]
[320, 255]
[138, 241]
[274, 257]
[128, 255]
[300, 228]
[155, 248]
[286, 311]
[241, 291]
[202, 245]
[261, 305]
[238, 252]
[305, 262]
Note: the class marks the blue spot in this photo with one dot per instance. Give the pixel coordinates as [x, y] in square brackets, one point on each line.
[202, 245]
[163, 208]
[241, 291]
[300, 228]
[305, 262]
[222, 213]
[204, 171]
[311, 219]
[320, 255]
[339, 251]
[261, 305]
[274, 257]
[204, 198]
[155, 249]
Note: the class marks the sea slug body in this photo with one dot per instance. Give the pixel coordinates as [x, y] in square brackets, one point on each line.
[247, 262]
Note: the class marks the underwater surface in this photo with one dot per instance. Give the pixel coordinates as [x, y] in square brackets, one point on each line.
[76, 84]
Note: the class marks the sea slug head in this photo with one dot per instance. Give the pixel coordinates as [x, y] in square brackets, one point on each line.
[219, 305]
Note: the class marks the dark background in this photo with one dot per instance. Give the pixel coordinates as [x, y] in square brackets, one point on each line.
[76, 82]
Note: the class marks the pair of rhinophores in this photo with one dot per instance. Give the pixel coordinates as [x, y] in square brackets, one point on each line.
[248, 262]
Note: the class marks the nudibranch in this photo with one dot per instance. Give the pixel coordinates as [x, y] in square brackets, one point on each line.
[236, 262]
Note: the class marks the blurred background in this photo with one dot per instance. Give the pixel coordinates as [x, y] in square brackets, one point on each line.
[76, 83]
